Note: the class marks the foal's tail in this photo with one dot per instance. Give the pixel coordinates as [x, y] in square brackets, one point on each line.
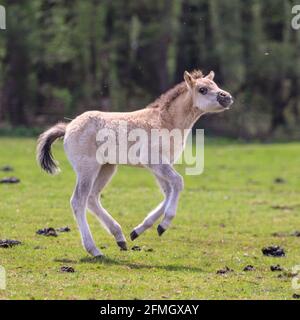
[44, 154]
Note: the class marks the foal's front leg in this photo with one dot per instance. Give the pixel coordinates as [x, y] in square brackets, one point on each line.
[155, 214]
[172, 183]
[169, 174]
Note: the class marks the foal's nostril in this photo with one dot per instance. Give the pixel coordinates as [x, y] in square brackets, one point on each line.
[222, 94]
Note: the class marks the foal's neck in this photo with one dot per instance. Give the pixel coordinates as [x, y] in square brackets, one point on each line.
[181, 113]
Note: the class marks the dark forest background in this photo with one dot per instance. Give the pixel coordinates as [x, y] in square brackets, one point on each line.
[59, 58]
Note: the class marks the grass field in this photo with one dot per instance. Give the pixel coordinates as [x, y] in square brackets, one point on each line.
[225, 217]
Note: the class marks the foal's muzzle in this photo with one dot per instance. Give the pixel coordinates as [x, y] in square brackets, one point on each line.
[224, 99]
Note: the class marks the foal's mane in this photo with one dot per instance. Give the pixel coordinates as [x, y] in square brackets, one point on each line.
[166, 98]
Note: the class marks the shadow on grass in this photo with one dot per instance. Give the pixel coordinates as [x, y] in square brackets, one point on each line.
[109, 261]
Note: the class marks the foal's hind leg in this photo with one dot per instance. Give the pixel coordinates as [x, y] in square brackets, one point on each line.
[154, 215]
[85, 180]
[104, 176]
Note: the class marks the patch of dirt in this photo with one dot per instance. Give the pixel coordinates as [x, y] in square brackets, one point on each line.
[6, 243]
[6, 169]
[287, 275]
[276, 267]
[136, 248]
[249, 267]
[225, 270]
[67, 269]
[144, 248]
[52, 232]
[296, 296]
[273, 251]
[285, 234]
[10, 180]
[279, 180]
[63, 229]
[296, 234]
[282, 207]
[48, 232]
[279, 234]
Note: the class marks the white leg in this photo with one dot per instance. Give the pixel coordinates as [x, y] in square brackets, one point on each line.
[168, 173]
[155, 214]
[111, 225]
[85, 180]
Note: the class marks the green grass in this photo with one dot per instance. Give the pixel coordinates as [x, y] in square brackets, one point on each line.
[225, 217]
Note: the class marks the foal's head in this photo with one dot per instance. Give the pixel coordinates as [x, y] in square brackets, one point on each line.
[207, 96]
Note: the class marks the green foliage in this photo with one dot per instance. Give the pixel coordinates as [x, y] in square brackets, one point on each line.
[20, 131]
[120, 55]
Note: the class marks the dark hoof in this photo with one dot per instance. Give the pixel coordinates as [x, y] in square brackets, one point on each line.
[122, 245]
[160, 230]
[133, 235]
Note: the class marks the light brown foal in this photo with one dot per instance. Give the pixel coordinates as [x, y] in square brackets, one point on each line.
[178, 108]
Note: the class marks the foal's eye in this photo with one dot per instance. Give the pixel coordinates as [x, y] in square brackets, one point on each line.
[203, 90]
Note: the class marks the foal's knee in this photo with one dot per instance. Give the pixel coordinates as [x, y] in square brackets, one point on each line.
[178, 184]
[77, 204]
[92, 201]
[80, 195]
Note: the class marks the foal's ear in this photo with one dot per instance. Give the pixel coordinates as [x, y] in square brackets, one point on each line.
[210, 76]
[189, 80]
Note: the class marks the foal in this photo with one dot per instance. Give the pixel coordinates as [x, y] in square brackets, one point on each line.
[178, 108]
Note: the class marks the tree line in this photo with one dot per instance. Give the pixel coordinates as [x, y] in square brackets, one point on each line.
[59, 58]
